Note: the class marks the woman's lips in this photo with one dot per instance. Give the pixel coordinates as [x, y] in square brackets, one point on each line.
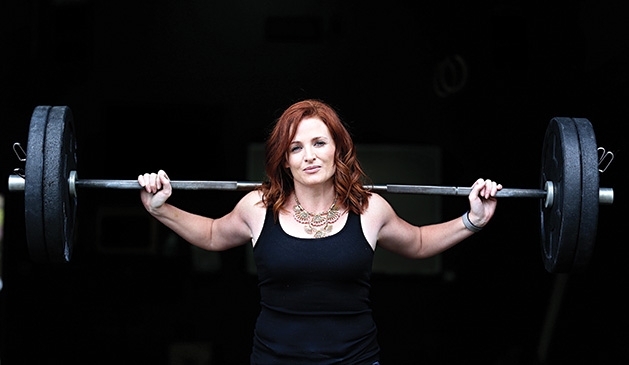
[312, 169]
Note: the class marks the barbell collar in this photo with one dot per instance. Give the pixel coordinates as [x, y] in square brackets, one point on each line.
[16, 183]
[605, 196]
[549, 187]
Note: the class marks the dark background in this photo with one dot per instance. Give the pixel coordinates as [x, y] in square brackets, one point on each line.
[188, 85]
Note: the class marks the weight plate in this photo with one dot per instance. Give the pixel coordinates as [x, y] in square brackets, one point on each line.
[561, 164]
[33, 193]
[589, 194]
[59, 204]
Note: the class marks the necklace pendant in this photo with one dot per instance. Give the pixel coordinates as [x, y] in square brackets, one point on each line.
[333, 214]
[319, 219]
[301, 215]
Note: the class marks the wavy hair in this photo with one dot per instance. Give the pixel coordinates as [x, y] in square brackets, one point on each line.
[349, 178]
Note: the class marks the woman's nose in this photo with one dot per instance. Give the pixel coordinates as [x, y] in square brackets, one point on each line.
[309, 154]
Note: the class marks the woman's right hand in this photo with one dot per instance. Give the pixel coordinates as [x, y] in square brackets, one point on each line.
[156, 189]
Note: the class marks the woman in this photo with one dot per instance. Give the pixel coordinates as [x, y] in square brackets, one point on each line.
[314, 228]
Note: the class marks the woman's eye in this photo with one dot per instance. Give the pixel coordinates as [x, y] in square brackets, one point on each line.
[295, 148]
[319, 143]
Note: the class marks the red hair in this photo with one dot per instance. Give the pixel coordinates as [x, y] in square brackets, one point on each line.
[349, 178]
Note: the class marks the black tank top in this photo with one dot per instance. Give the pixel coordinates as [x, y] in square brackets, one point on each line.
[314, 297]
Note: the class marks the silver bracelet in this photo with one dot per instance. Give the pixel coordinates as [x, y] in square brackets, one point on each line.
[468, 223]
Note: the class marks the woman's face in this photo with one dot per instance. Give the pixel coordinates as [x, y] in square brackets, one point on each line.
[311, 153]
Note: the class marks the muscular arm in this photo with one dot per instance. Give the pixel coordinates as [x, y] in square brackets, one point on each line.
[396, 235]
[400, 237]
[210, 234]
[231, 230]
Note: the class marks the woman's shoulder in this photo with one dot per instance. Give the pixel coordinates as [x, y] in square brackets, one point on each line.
[253, 199]
[378, 206]
[250, 205]
[375, 198]
[377, 214]
[251, 210]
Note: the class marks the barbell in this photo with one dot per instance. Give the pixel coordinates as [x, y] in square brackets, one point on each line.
[569, 190]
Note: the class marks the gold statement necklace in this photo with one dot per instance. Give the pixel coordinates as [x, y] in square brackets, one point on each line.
[319, 224]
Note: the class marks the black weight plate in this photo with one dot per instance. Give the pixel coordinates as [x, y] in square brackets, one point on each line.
[33, 192]
[59, 204]
[589, 194]
[561, 164]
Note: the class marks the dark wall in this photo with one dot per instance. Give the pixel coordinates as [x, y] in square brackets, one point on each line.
[187, 86]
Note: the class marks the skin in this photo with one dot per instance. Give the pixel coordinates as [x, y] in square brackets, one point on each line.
[311, 163]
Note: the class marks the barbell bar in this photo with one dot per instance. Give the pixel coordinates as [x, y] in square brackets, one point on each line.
[569, 193]
[17, 183]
